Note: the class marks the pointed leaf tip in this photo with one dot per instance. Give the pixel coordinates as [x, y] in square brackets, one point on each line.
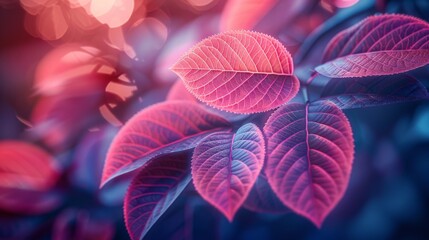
[309, 157]
[226, 165]
[378, 45]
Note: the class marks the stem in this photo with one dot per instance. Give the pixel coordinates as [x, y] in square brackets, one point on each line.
[307, 84]
[311, 78]
[305, 93]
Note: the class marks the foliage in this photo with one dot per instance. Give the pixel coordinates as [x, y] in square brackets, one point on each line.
[262, 105]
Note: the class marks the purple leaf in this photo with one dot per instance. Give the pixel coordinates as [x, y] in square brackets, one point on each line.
[379, 45]
[161, 128]
[373, 91]
[262, 199]
[226, 165]
[153, 190]
[310, 153]
[239, 71]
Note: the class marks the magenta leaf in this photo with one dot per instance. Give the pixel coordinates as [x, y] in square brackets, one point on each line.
[153, 190]
[159, 129]
[262, 199]
[27, 172]
[181, 40]
[310, 153]
[26, 167]
[378, 45]
[226, 165]
[239, 71]
[374, 91]
[59, 119]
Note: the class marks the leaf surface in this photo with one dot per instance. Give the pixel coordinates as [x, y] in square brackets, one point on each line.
[153, 190]
[374, 91]
[310, 153]
[226, 165]
[378, 45]
[239, 71]
[161, 128]
[25, 166]
[26, 172]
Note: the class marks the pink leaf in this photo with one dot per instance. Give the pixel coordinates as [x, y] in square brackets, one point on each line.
[239, 71]
[153, 190]
[180, 41]
[226, 165]
[310, 153]
[25, 166]
[26, 172]
[379, 45]
[72, 80]
[159, 129]
[60, 119]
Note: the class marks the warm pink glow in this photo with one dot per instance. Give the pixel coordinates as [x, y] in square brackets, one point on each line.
[116, 39]
[78, 3]
[114, 13]
[200, 3]
[339, 3]
[59, 67]
[52, 25]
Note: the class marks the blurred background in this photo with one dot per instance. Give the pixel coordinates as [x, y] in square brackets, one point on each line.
[73, 71]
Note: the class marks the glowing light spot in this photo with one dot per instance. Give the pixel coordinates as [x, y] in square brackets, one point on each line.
[114, 13]
[200, 3]
[116, 40]
[33, 7]
[78, 3]
[51, 24]
[345, 3]
[59, 68]
[337, 3]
